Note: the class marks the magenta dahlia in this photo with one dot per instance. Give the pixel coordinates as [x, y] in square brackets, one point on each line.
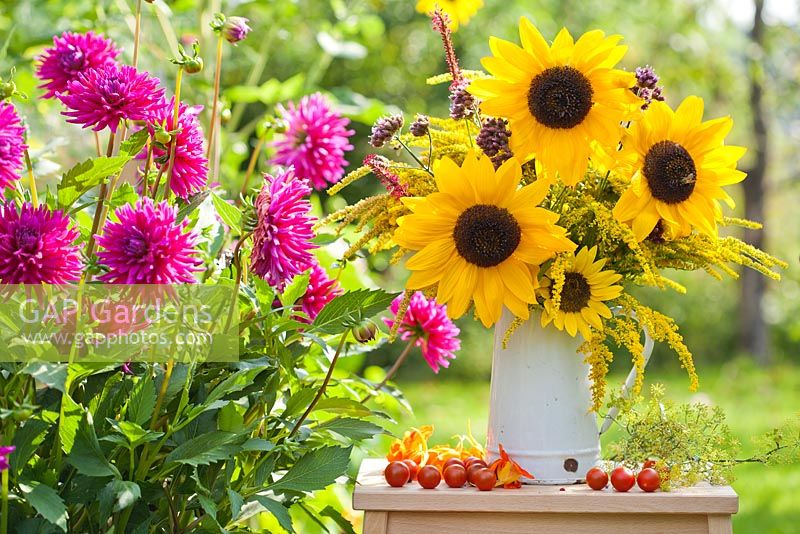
[321, 290]
[5, 451]
[427, 324]
[315, 141]
[12, 145]
[282, 238]
[190, 172]
[100, 98]
[148, 246]
[70, 55]
[37, 246]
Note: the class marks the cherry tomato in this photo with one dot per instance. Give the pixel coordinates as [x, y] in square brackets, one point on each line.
[485, 479]
[622, 478]
[396, 474]
[455, 476]
[429, 477]
[649, 463]
[453, 461]
[472, 470]
[412, 469]
[648, 479]
[596, 478]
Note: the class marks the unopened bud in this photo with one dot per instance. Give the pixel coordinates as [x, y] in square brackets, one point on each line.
[7, 90]
[365, 332]
[163, 137]
[193, 65]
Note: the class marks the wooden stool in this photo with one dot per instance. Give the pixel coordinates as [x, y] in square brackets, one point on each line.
[576, 509]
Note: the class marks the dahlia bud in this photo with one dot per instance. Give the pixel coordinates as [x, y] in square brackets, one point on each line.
[365, 332]
[162, 136]
[7, 90]
[493, 140]
[235, 29]
[384, 129]
[193, 65]
[420, 126]
[225, 116]
[462, 104]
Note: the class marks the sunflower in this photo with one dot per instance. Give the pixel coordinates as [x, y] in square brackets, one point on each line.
[459, 11]
[480, 237]
[678, 165]
[586, 287]
[560, 98]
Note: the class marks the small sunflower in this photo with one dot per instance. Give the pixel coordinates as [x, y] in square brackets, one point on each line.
[678, 165]
[480, 237]
[459, 11]
[558, 99]
[586, 287]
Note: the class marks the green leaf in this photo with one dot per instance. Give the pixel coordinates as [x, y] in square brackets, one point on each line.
[53, 375]
[356, 429]
[193, 204]
[348, 310]
[333, 513]
[299, 401]
[46, 502]
[296, 289]
[68, 426]
[142, 401]
[277, 509]
[341, 405]
[339, 48]
[134, 434]
[236, 501]
[206, 448]
[134, 144]
[86, 456]
[26, 440]
[123, 194]
[85, 175]
[229, 214]
[315, 470]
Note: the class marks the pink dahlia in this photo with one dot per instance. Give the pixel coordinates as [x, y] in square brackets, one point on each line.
[190, 172]
[71, 55]
[4, 454]
[315, 141]
[426, 322]
[148, 246]
[101, 98]
[321, 290]
[282, 238]
[37, 246]
[12, 145]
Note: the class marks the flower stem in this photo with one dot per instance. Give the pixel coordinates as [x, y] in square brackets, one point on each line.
[325, 382]
[252, 164]
[162, 393]
[411, 153]
[147, 164]
[4, 511]
[31, 180]
[173, 147]
[214, 105]
[97, 144]
[100, 201]
[237, 261]
[136, 33]
[392, 371]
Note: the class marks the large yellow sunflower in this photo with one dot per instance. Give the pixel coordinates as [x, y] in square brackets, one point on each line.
[678, 165]
[459, 11]
[586, 287]
[559, 98]
[479, 237]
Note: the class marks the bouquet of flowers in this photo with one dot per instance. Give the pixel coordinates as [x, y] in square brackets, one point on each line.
[557, 182]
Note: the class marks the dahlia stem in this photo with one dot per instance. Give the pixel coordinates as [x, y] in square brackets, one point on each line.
[162, 393]
[237, 261]
[252, 165]
[31, 180]
[324, 385]
[136, 33]
[100, 201]
[147, 164]
[214, 105]
[392, 371]
[4, 510]
[97, 144]
[173, 147]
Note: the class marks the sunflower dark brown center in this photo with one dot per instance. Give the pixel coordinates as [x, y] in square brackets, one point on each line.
[560, 97]
[486, 235]
[670, 172]
[576, 292]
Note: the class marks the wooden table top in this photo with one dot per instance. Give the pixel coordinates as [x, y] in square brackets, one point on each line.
[373, 493]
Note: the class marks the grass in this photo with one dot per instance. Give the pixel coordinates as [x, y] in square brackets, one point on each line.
[755, 401]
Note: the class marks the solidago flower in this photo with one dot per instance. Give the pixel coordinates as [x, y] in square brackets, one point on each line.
[458, 11]
[479, 237]
[413, 446]
[558, 99]
[585, 287]
[508, 471]
[677, 166]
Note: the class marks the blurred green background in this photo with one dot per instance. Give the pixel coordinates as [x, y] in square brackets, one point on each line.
[741, 56]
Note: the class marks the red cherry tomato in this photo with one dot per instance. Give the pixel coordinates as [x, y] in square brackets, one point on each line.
[485, 479]
[453, 461]
[455, 476]
[396, 474]
[648, 479]
[472, 470]
[649, 463]
[412, 469]
[622, 479]
[429, 477]
[596, 478]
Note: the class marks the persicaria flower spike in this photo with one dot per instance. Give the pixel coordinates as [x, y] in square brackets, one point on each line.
[647, 87]
[101, 98]
[12, 145]
[235, 29]
[380, 168]
[420, 126]
[384, 129]
[282, 237]
[441, 23]
[190, 170]
[73, 54]
[147, 245]
[315, 141]
[493, 140]
[37, 246]
[427, 323]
